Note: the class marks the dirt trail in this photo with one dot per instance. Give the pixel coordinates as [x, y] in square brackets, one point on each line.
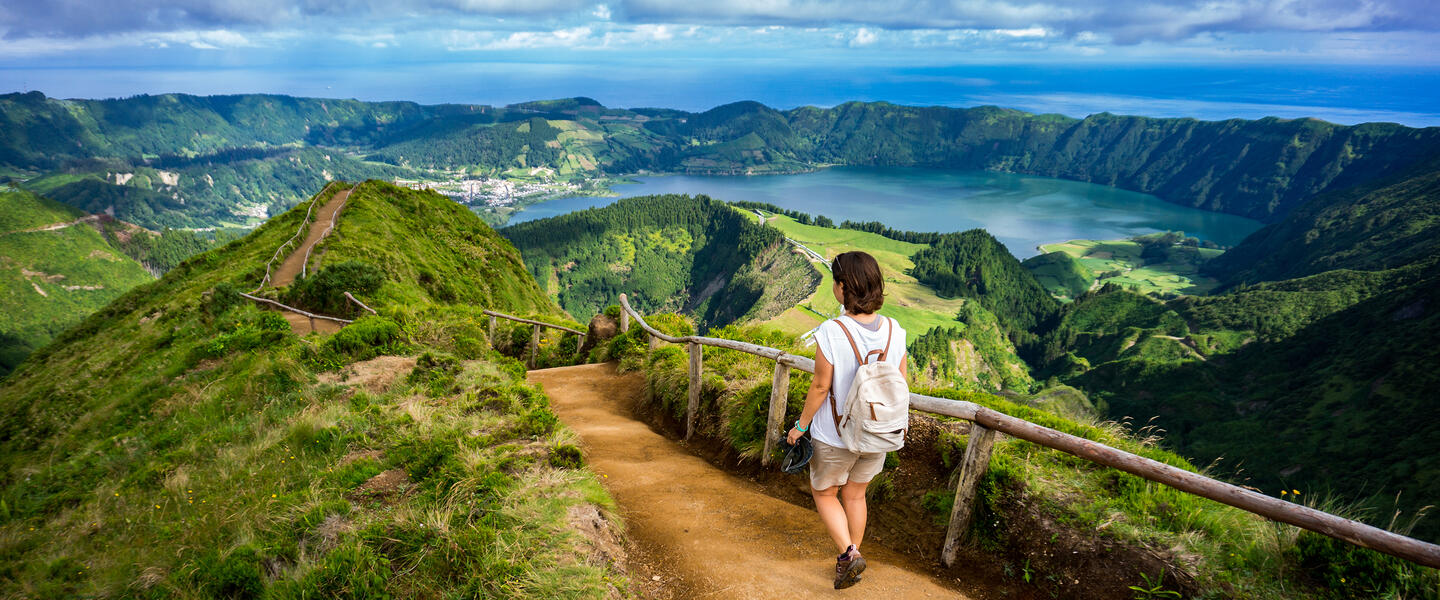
[58, 226]
[302, 324]
[290, 269]
[705, 532]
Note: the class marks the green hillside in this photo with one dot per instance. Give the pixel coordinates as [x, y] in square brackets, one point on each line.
[50, 280]
[669, 253]
[973, 264]
[974, 354]
[183, 443]
[1295, 384]
[1060, 273]
[1373, 227]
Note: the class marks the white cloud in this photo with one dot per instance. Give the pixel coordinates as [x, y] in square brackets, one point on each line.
[1022, 33]
[863, 37]
[601, 12]
[488, 40]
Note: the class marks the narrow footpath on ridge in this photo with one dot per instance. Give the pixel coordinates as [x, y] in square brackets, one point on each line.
[707, 533]
[286, 273]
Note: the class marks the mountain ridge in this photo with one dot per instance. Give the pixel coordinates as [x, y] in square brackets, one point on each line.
[1262, 169]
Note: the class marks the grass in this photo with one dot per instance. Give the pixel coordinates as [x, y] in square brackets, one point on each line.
[50, 280]
[200, 455]
[913, 304]
[1119, 262]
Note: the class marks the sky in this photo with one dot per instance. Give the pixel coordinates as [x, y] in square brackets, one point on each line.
[1346, 61]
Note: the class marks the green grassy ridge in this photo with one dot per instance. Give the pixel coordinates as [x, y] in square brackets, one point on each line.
[1382, 225]
[668, 252]
[23, 211]
[973, 264]
[1229, 553]
[44, 275]
[1280, 165]
[916, 307]
[462, 262]
[198, 456]
[1296, 382]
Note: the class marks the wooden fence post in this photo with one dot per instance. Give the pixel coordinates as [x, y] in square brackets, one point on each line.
[977, 460]
[579, 344]
[534, 345]
[694, 406]
[492, 331]
[624, 317]
[779, 401]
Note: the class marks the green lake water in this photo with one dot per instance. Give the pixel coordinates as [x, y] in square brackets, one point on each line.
[1020, 210]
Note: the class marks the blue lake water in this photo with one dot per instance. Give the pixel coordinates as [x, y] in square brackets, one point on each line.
[1021, 211]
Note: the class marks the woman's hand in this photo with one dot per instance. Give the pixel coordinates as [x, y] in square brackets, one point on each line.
[794, 436]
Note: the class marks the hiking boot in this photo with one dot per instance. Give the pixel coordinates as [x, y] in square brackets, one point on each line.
[848, 568]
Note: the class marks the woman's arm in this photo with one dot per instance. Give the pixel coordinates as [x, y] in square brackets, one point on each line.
[815, 398]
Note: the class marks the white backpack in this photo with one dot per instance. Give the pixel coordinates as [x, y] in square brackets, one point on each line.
[877, 409]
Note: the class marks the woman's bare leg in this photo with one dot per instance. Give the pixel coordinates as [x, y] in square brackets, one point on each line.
[834, 516]
[853, 495]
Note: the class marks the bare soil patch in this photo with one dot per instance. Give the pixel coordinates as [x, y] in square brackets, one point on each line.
[386, 485]
[375, 375]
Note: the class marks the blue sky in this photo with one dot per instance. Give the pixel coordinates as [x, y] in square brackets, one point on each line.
[1343, 60]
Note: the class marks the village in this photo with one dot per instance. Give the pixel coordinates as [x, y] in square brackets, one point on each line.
[497, 192]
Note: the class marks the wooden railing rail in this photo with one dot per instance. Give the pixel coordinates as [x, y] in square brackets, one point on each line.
[360, 304]
[986, 422]
[334, 217]
[298, 231]
[534, 334]
[296, 310]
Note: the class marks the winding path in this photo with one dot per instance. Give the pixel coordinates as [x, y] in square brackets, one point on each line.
[708, 533]
[324, 219]
[295, 262]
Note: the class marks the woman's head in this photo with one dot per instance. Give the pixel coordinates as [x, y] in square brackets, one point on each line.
[858, 284]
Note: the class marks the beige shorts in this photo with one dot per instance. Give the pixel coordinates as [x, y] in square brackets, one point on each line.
[831, 466]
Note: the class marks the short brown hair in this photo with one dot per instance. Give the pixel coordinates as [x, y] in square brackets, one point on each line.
[860, 281]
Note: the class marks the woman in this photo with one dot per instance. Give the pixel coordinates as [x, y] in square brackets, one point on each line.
[833, 468]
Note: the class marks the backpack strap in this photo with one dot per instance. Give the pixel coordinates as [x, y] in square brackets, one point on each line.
[859, 360]
[853, 347]
[834, 408]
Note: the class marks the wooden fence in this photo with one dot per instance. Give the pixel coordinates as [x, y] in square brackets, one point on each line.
[986, 422]
[534, 334]
[303, 225]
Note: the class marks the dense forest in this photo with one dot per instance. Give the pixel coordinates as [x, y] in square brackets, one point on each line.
[668, 253]
[973, 264]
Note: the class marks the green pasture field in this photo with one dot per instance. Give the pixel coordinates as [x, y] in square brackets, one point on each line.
[1106, 256]
[914, 305]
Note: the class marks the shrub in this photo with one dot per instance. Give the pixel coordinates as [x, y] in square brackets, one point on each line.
[566, 456]
[436, 371]
[324, 292]
[366, 338]
[1352, 572]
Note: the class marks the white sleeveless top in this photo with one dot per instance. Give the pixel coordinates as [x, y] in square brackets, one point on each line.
[831, 342]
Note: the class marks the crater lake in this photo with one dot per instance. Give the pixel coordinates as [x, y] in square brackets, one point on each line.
[1022, 211]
